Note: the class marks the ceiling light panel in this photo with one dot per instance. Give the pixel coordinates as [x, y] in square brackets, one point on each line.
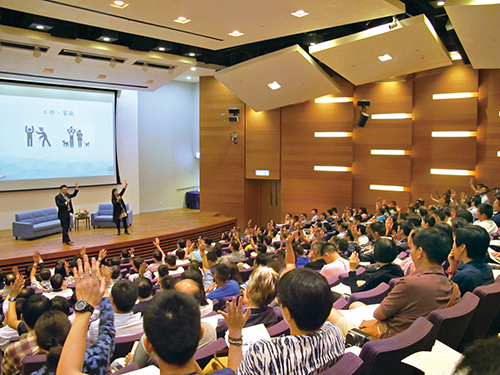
[182, 20]
[300, 13]
[236, 33]
[350, 56]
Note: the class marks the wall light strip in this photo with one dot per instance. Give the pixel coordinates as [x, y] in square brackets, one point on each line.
[498, 154]
[390, 152]
[391, 116]
[453, 172]
[330, 99]
[331, 168]
[453, 134]
[332, 134]
[454, 95]
[388, 187]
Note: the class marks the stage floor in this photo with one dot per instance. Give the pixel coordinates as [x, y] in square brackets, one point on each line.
[169, 226]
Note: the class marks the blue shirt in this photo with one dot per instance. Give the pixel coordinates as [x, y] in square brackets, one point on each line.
[230, 289]
[473, 274]
[301, 261]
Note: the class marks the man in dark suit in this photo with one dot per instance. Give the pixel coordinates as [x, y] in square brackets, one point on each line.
[63, 202]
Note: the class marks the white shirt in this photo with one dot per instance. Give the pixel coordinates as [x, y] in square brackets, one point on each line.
[6, 333]
[61, 293]
[126, 324]
[207, 309]
[178, 271]
[489, 225]
[336, 268]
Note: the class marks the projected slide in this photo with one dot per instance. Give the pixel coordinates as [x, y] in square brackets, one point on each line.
[51, 135]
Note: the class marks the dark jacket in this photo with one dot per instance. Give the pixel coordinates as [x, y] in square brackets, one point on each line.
[374, 276]
[118, 206]
[61, 204]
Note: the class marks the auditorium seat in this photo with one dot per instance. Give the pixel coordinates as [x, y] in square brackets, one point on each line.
[280, 328]
[245, 273]
[103, 217]
[383, 357]
[32, 363]
[449, 325]
[348, 364]
[124, 344]
[334, 281]
[340, 304]
[370, 297]
[205, 354]
[128, 368]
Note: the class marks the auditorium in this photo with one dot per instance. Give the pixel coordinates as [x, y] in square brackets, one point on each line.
[249, 187]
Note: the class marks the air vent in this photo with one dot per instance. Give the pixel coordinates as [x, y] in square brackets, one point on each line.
[31, 47]
[67, 52]
[154, 65]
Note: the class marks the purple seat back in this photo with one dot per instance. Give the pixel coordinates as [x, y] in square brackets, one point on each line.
[343, 278]
[128, 368]
[32, 363]
[205, 354]
[245, 274]
[450, 324]
[340, 304]
[348, 364]
[281, 328]
[383, 357]
[334, 281]
[402, 255]
[124, 344]
[373, 296]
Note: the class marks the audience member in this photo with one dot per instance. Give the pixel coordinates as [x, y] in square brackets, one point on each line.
[484, 215]
[336, 265]
[225, 286]
[317, 262]
[59, 288]
[144, 293]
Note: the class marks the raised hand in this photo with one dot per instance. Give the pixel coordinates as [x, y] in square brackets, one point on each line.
[143, 268]
[102, 254]
[156, 242]
[37, 259]
[83, 251]
[354, 261]
[131, 251]
[15, 270]
[235, 319]
[88, 287]
[76, 185]
[16, 286]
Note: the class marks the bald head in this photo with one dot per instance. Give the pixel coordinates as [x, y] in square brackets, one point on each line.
[188, 286]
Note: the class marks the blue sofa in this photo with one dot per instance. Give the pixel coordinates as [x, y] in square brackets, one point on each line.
[103, 217]
[37, 223]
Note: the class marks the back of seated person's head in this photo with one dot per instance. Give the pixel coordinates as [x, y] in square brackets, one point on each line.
[406, 226]
[261, 260]
[56, 281]
[268, 240]
[162, 270]
[358, 218]
[115, 261]
[403, 215]
[342, 245]
[458, 222]
[34, 307]
[435, 243]
[298, 249]
[234, 272]
[476, 240]
[485, 209]
[157, 255]
[124, 294]
[262, 286]
[476, 200]
[222, 273]
[385, 251]
[9, 279]
[170, 260]
[423, 211]
[348, 235]
[260, 238]
[26, 293]
[217, 249]
[27, 271]
[137, 261]
[180, 254]
[276, 262]
[124, 253]
[181, 244]
[327, 227]
[167, 282]
[144, 287]
[61, 304]
[415, 220]
[329, 248]
[45, 274]
[362, 228]
[115, 272]
[19, 307]
[176, 315]
[378, 227]
[480, 358]
[344, 226]
[439, 213]
[316, 248]
[208, 240]
[261, 249]
[51, 331]
[306, 296]
[467, 215]
[212, 256]
[445, 228]
[235, 245]
[429, 220]
[198, 279]
[194, 265]
[60, 269]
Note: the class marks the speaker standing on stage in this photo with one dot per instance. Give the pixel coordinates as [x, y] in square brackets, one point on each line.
[119, 208]
[63, 202]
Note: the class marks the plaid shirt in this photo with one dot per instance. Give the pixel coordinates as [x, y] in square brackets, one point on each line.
[15, 353]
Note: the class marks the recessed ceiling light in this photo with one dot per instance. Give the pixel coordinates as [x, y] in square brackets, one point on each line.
[101, 76]
[236, 33]
[188, 77]
[192, 54]
[150, 82]
[48, 70]
[106, 38]
[161, 49]
[455, 55]
[119, 4]
[182, 20]
[193, 68]
[300, 13]
[385, 57]
[40, 27]
[274, 85]
[441, 3]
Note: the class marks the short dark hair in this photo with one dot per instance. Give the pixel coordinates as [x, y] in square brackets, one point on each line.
[115, 261]
[124, 253]
[51, 331]
[208, 240]
[115, 272]
[34, 307]
[385, 250]
[434, 242]
[261, 260]
[476, 240]
[222, 272]
[45, 274]
[181, 243]
[157, 255]
[56, 281]
[26, 293]
[342, 245]
[447, 229]
[298, 249]
[307, 296]
[124, 294]
[467, 215]
[261, 249]
[458, 222]
[480, 357]
[171, 260]
[177, 315]
[61, 304]
[430, 220]
[406, 226]
[144, 287]
[62, 186]
[423, 211]
[137, 262]
[212, 256]
[181, 253]
[9, 279]
[415, 220]
[440, 214]
[379, 228]
[268, 240]
[328, 247]
[162, 270]
[235, 245]
[486, 209]
[234, 273]
[167, 282]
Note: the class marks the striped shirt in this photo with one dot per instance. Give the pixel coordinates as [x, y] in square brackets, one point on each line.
[295, 355]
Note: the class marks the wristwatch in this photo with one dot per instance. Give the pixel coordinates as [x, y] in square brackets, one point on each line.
[82, 306]
[12, 299]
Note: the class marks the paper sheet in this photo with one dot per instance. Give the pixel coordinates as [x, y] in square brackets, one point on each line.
[490, 252]
[441, 360]
[354, 350]
[251, 335]
[342, 289]
[213, 320]
[356, 316]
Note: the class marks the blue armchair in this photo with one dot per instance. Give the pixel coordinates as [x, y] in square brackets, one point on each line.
[103, 217]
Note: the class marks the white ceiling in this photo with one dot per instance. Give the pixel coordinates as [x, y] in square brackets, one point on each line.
[300, 77]
[212, 20]
[477, 25]
[413, 45]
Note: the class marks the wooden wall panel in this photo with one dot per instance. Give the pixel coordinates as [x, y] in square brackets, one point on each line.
[441, 115]
[488, 130]
[222, 163]
[386, 97]
[263, 143]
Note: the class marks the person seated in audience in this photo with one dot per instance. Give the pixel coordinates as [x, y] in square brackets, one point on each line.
[480, 358]
[470, 246]
[32, 309]
[158, 257]
[303, 219]
[44, 283]
[377, 230]
[9, 279]
[335, 264]
[139, 268]
[426, 289]
[403, 232]
[115, 274]
[236, 253]
[313, 345]
[123, 297]
[196, 254]
[223, 286]
[173, 269]
[473, 204]
[206, 305]
[63, 305]
[316, 261]
[384, 253]
[301, 259]
[466, 215]
[167, 282]
[59, 287]
[496, 211]
[261, 290]
[181, 245]
[428, 221]
[480, 191]
[314, 215]
[127, 256]
[484, 215]
[209, 263]
[182, 258]
[144, 293]
[7, 333]
[234, 273]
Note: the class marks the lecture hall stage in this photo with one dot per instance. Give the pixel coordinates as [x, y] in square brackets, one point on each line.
[169, 226]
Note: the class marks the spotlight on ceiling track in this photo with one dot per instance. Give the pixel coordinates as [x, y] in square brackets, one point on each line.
[394, 23]
[107, 36]
[37, 52]
[312, 39]
[145, 67]
[163, 46]
[112, 62]
[363, 115]
[234, 137]
[78, 58]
